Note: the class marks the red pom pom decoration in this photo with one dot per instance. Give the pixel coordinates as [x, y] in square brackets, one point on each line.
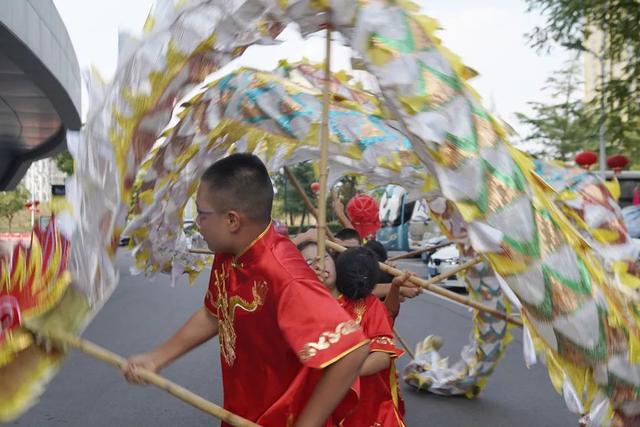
[363, 214]
[617, 162]
[315, 187]
[586, 159]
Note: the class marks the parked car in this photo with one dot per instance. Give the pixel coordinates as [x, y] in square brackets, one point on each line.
[433, 241]
[405, 223]
[394, 214]
[628, 181]
[189, 227]
[631, 215]
[444, 260]
[421, 226]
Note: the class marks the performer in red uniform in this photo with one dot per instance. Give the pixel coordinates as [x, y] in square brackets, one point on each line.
[289, 353]
[380, 401]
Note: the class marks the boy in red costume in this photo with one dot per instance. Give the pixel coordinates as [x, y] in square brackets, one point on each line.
[380, 402]
[289, 352]
[351, 279]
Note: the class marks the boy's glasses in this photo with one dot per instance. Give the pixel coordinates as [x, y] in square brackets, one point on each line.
[201, 212]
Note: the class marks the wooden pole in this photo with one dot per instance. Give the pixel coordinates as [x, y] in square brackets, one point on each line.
[419, 251]
[201, 251]
[296, 184]
[430, 285]
[305, 199]
[170, 387]
[324, 147]
[404, 344]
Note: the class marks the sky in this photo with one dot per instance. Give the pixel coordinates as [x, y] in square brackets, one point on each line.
[489, 36]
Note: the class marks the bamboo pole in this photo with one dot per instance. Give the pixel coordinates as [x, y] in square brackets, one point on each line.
[305, 199]
[430, 285]
[419, 251]
[201, 251]
[404, 344]
[324, 148]
[170, 387]
[296, 184]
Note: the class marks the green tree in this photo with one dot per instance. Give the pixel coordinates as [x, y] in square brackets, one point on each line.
[64, 162]
[348, 189]
[562, 128]
[570, 23]
[288, 203]
[12, 202]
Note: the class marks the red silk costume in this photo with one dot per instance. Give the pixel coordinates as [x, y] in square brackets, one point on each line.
[278, 326]
[380, 403]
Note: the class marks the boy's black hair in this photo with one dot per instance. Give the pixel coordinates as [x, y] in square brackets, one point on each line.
[378, 249]
[241, 182]
[356, 272]
[381, 253]
[348, 234]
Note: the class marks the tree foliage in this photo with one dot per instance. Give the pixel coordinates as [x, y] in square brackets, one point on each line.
[64, 162]
[570, 23]
[288, 204]
[12, 202]
[564, 127]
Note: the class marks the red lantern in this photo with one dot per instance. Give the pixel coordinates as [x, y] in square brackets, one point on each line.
[363, 212]
[315, 187]
[617, 162]
[32, 205]
[586, 159]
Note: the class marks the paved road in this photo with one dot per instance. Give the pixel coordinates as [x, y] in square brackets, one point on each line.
[141, 314]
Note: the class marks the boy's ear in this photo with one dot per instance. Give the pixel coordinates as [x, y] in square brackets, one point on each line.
[233, 221]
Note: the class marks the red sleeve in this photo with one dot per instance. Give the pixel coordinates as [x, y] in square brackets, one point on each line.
[376, 326]
[314, 324]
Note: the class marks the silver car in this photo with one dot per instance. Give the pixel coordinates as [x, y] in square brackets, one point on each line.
[442, 261]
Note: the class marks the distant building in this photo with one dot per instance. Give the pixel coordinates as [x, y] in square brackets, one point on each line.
[42, 174]
[592, 65]
[592, 74]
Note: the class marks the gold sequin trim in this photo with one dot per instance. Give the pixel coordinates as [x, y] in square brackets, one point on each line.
[383, 341]
[327, 339]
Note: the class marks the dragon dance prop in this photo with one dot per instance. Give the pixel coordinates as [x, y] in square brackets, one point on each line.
[551, 238]
[33, 281]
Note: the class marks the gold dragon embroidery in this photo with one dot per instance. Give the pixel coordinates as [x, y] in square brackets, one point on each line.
[226, 312]
[359, 310]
